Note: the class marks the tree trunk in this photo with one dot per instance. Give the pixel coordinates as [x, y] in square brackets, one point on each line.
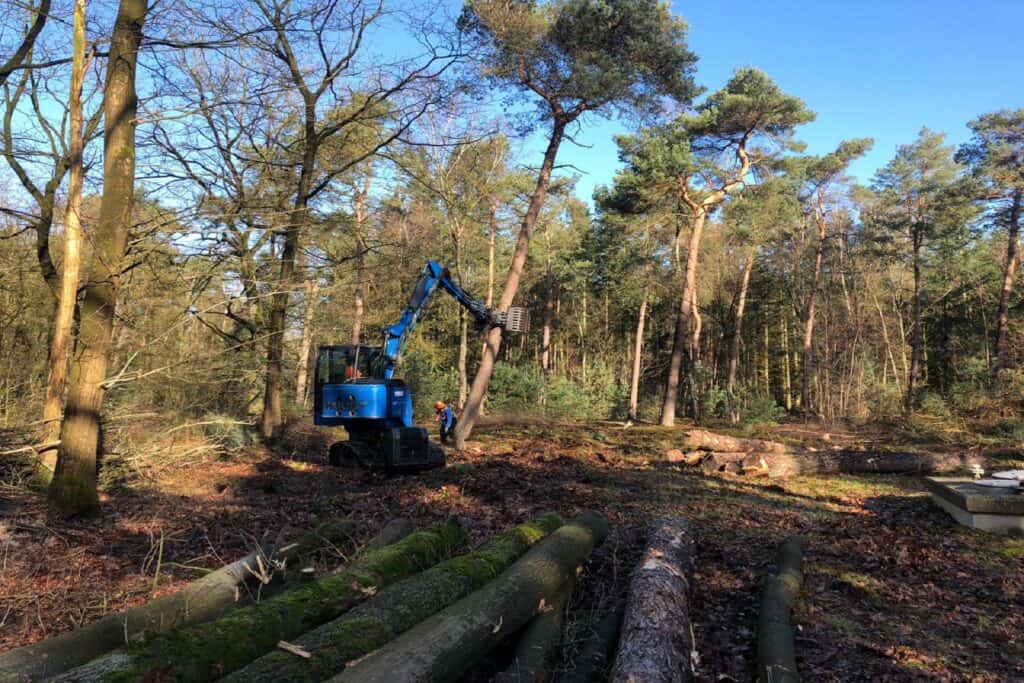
[312, 286]
[73, 489]
[360, 293]
[203, 600]
[444, 646]
[680, 337]
[778, 465]
[463, 358]
[699, 439]
[60, 344]
[657, 641]
[638, 348]
[508, 293]
[808, 347]
[209, 651]
[737, 333]
[915, 332]
[1003, 335]
[396, 609]
[597, 649]
[776, 653]
[537, 649]
[549, 306]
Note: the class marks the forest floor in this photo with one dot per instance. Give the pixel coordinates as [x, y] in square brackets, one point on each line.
[894, 589]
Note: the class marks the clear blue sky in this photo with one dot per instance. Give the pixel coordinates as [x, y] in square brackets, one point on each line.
[868, 68]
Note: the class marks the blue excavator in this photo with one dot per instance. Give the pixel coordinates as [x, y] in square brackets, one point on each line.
[355, 385]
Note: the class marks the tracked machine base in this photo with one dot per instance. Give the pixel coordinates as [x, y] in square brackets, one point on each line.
[406, 449]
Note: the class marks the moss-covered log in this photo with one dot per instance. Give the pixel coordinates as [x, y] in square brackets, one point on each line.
[776, 654]
[209, 651]
[778, 465]
[203, 600]
[450, 642]
[537, 649]
[657, 641]
[397, 608]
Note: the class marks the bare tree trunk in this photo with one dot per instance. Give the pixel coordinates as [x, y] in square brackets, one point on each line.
[915, 331]
[60, 344]
[360, 293]
[463, 357]
[737, 333]
[508, 293]
[312, 286]
[549, 306]
[787, 378]
[808, 348]
[73, 489]
[638, 347]
[1003, 336]
[888, 345]
[680, 341]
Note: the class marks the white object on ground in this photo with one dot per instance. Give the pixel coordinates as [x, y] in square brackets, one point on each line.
[1009, 474]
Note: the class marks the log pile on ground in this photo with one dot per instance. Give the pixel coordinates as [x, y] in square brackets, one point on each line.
[447, 644]
[208, 651]
[722, 453]
[203, 600]
[657, 641]
[776, 654]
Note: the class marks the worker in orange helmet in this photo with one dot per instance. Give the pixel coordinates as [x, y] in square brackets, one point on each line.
[446, 420]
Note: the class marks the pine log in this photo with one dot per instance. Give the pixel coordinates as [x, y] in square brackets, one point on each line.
[205, 599]
[776, 653]
[702, 440]
[716, 462]
[447, 644]
[209, 651]
[597, 649]
[657, 642]
[396, 609]
[537, 649]
[778, 465]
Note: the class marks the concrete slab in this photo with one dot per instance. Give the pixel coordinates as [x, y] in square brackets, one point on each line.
[999, 510]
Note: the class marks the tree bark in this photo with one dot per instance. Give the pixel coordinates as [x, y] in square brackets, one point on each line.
[778, 465]
[597, 649]
[700, 439]
[209, 651]
[312, 285]
[360, 293]
[1010, 267]
[73, 489]
[537, 649]
[396, 609]
[493, 339]
[915, 333]
[638, 347]
[808, 347]
[549, 305]
[202, 600]
[444, 646]
[776, 653]
[680, 337]
[657, 641]
[60, 344]
[737, 333]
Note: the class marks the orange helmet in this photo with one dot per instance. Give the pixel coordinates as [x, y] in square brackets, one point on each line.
[439, 405]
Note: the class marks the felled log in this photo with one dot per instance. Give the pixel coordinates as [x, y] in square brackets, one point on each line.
[777, 465]
[205, 599]
[396, 609]
[537, 649]
[597, 649]
[776, 654]
[657, 642]
[447, 644]
[716, 462]
[205, 652]
[703, 440]
[676, 456]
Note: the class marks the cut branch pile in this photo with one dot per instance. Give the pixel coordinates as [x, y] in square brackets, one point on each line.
[722, 453]
[201, 601]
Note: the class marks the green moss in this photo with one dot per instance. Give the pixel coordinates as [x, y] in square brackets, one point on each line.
[73, 495]
[208, 651]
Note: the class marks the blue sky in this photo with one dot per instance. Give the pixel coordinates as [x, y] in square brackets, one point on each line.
[868, 68]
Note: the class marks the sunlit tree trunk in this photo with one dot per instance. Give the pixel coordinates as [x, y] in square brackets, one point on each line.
[808, 347]
[515, 272]
[638, 346]
[360, 235]
[737, 334]
[60, 344]
[549, 305]
[73, 489]
[681, 337]
[302, 375]
[1003, 334]
[915, 330]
